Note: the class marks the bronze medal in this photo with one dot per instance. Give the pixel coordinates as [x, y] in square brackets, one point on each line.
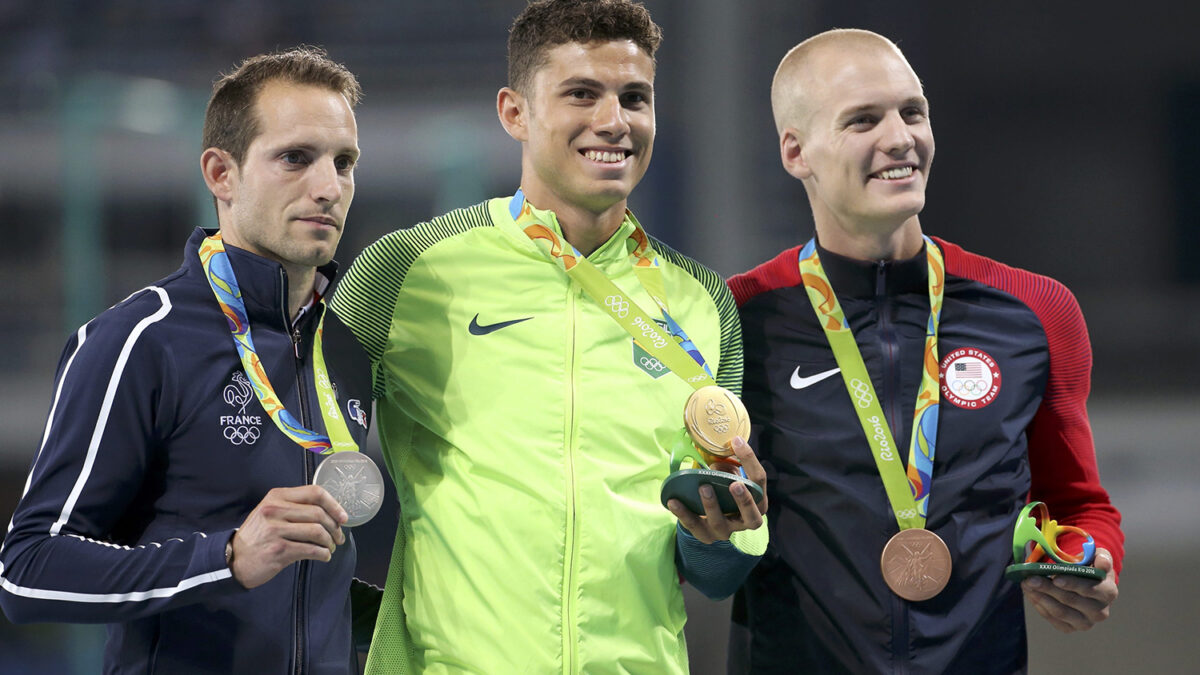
[916, 564]
[714, 416]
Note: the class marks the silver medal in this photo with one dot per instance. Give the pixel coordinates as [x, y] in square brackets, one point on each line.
[355, 482]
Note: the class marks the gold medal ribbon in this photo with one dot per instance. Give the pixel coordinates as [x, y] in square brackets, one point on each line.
[909, 496]
[673, 348]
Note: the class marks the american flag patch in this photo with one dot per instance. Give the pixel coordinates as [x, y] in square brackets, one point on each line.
[968, 369]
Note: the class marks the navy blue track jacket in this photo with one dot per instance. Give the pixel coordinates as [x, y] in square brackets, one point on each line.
[1015, 369]
[154, 451]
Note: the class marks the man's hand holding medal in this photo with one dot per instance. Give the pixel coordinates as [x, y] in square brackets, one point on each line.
[717, 486]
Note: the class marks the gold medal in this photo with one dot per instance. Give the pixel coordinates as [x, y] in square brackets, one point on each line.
[714, 416]
[916, 564]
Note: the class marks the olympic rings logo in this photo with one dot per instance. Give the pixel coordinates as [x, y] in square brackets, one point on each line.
[861, 393]
[618, 305]
[969, 386]
[651, 363]
[240, 435]
[906, 513]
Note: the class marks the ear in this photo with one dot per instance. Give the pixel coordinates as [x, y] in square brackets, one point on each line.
[511, 107]
[220, 172]
[791, 151]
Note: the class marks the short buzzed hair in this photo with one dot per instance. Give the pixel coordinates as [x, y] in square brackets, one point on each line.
[792, 80]
[545, 24]
[230, 122]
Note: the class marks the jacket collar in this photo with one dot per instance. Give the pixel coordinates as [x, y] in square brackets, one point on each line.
[611, 252]
[853, 278]
[263, 282]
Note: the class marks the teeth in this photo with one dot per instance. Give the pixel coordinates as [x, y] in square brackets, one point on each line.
[892, 174]
[606, 157]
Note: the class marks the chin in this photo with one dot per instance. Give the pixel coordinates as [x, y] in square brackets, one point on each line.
[904, 209]
[599, 201]
[319, 257]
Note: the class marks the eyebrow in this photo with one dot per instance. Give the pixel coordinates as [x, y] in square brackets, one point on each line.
[350, 150]
[637, 85]
[918, 101]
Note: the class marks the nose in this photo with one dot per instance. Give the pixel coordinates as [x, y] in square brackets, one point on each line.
[609, 117]
[897, 138]
[325, 181]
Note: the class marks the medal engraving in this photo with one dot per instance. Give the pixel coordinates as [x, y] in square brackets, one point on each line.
[354, 482]
[916, 564]
[714, 416]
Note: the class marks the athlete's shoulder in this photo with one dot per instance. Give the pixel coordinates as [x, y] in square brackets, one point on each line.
[684, 262]
[150, 304]
[782, 271]
[423, 235]
[142, 329]
[391, 256]
[1044, 295]
[708, 277]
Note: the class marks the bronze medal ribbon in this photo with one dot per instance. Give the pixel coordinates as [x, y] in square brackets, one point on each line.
[909, 495]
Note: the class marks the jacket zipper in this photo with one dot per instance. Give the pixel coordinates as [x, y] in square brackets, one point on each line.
[890, 398]
[302, 571]
[888, 351]
[569, 629]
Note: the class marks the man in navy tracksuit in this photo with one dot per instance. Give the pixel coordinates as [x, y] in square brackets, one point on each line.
[165, 500]
[1007, 358]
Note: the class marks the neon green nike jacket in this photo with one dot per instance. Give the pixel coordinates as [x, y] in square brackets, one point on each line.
[528, 437]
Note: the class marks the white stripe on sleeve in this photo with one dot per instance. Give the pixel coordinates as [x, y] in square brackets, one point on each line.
[106, 406]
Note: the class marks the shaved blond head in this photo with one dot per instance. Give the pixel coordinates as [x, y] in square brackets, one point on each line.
[799, 73]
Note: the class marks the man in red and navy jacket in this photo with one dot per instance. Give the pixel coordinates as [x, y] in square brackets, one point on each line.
[1012, 369]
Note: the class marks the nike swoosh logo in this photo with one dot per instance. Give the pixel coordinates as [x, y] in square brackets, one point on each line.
[477, 329]
[802, 382]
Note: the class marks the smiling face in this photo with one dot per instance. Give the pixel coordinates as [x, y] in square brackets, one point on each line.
[863, 144]
[586, 126]
[288, 199]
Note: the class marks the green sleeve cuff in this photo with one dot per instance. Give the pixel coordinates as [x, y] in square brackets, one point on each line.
[752, 542]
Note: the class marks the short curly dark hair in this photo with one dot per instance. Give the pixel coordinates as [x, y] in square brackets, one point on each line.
[231, 120]
[545, 24]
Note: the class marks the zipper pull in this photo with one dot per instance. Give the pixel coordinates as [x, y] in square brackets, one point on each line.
[296, 342]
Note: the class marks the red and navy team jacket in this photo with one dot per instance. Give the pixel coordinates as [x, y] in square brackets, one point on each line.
[154, 451]
[1015, 368]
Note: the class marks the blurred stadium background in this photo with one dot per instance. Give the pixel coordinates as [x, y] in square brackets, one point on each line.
[1068, 145]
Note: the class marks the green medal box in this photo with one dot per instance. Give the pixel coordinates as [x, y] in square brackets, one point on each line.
[684, 484]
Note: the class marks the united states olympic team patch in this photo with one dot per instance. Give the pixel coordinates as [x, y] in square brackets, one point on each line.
[970, 378]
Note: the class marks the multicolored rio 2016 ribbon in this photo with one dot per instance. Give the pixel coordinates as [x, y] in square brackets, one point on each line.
[676, 351]
[910, 502]
[221, 278]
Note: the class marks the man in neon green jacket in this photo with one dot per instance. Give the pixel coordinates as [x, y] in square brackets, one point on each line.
[528, 433]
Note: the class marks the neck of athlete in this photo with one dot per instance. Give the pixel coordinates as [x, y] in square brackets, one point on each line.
[871, 242]
[300, 287]
[584, 228]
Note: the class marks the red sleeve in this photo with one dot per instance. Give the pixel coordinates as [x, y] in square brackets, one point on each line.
[1062, 454]
[783, 271]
